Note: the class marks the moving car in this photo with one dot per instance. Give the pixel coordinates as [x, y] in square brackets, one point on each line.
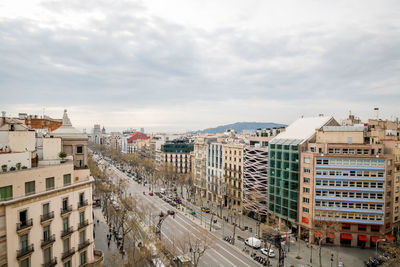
[271, 252]
[206, 210]
[171, 212]
[162, 191]
[253, 242]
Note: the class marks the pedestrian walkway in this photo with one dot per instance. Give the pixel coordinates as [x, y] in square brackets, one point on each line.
[101, 231]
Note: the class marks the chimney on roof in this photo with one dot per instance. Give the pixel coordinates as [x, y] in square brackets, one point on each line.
[376, 111]
[320, 115]
[3, 114]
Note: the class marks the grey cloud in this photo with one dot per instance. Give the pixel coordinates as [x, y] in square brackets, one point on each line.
[130, 59]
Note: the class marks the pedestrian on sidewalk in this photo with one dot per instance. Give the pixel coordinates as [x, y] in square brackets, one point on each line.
[97, 221]
[108, 243]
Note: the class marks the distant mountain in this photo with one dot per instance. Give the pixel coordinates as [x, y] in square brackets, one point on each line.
[240, 127]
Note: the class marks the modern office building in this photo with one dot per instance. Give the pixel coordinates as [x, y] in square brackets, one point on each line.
[45, 203]
[346, 187]
[284, 166]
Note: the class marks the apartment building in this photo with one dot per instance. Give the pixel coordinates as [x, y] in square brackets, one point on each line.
[45, 202]
[347, 187]
[200, 165]
[134, 142]
[177, 154]
[233, 175]
[216, 188]
[284, 167]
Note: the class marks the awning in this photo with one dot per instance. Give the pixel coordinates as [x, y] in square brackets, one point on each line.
[330, 235]
[387, 225]
[362, 237]
[374, 238]
[304, 219]
[346, 225]
[375, 227]
[346, 236]
[318, 234]
[362, 226]
[389, 237]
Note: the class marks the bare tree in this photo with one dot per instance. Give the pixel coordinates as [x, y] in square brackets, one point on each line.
[195, 245]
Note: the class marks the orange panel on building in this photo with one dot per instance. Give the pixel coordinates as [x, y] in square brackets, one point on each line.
[44, 123]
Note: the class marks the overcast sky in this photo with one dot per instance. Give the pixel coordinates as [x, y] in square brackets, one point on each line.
[181, 65]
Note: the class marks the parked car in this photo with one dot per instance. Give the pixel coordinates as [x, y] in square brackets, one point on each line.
[173, 204]
[151, 194]
[271, 252]
[162, 191]
[253, 242]
[206, 210]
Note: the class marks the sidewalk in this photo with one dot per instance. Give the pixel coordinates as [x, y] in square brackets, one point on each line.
[101, 231]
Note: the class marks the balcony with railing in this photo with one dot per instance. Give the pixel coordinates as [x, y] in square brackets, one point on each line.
[51, 263]
[24, 251]
[84, 244]
[49, 240]
[46, 217]
[67, 231]
[65, 210]
[24, 225]
[82, 224]
[82, 203]
[68, 253]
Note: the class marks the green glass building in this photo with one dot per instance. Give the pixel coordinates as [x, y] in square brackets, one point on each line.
[283, 177]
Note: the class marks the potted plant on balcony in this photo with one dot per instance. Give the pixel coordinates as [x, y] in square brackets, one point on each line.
[62, 155]
[4, 167]
[18, 165]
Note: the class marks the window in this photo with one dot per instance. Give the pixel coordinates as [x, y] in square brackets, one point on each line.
[81, 198]
[46, 208]
[47, 255]
[67, 179]
[81, 237]
[306, 190]
[67, 264]
[46, 233]
[306, 180]
[25, 262]
[50, 183]
[306, 160]
[82, 217]
[306, 210]
[65, 224]
[307, 170]
[66, 244]
[306, 200]
[30, 188]
[79, 149]
[82, 257]
[23, 241]
[6, 193]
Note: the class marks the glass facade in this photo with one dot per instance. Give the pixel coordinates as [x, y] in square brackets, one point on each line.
[283, 177]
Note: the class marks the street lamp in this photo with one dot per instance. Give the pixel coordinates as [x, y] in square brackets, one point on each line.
[376, 245]
[311, 254]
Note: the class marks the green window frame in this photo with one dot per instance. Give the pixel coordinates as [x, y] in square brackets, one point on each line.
[30, 188]
[67, 179]
[50, 183]
[6, 193]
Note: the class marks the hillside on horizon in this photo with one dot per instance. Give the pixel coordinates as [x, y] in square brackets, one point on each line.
[240, 127]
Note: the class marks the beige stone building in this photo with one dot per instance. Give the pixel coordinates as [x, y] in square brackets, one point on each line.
[233, 175]
[46, 209]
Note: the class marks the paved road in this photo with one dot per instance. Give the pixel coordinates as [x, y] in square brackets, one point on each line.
[223, 253]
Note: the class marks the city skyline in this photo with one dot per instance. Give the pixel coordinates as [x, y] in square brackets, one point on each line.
[165, 68]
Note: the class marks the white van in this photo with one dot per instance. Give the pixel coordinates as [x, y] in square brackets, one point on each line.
[162, 191]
